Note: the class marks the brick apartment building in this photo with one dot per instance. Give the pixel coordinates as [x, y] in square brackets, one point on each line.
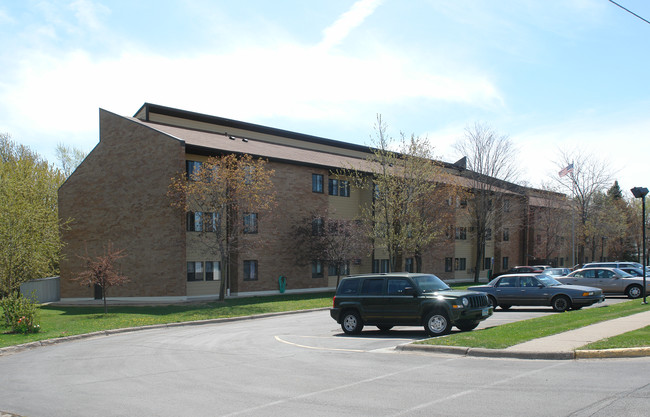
[119, 194]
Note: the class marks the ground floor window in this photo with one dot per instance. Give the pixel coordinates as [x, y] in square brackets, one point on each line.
[250, 270]
[449, 264]
[195, 271]
[380, 265]
[203, 270]
[345, 269]
[487, 263]
[504, 263]
[460, 264]
[317, 269]
[409, 265]
[212, 271]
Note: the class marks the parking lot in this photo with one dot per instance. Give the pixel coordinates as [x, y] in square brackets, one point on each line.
[303, 364]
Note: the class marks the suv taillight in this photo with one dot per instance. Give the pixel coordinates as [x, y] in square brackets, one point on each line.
[333, 301]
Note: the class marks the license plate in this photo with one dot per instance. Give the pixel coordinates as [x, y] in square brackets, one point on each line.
[486, 311]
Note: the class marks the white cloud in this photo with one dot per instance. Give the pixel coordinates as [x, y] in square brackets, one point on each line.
[339, 30]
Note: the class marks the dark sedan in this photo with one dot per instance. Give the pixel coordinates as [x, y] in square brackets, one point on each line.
[538, 290]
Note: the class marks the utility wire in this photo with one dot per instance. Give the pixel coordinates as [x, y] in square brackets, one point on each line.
[629, 11]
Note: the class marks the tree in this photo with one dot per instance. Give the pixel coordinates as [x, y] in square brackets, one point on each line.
[29, 224]
[102, 271]
[69, 158]
[407, 212]
[491, 162]
[225, 197]
[582, 176]
[336, 242]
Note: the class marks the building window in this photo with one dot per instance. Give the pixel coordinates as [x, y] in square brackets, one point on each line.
[539, 239]
[345, 269]
[488, 234]
[316, 183]
[487, 263]
[506, 235]
[461, 233]
[317, 226]
[460, 264]
[195, 271]
[408, 267]
[250, 223]
[212, 271]
[504, 263]
[193, 221]
[333, 187]
[316, 269]
[192, 168]
[198, 221]
[344, 188]
[506, 205]
[250, 270]
[449, 264]
[380, 265]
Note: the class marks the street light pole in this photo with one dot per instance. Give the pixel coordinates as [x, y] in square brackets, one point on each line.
[641, 192]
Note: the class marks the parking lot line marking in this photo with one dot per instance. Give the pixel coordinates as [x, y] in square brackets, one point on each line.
[317, 348]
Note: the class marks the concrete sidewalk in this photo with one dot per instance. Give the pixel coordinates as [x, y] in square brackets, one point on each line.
[559, 346]
[571, 340]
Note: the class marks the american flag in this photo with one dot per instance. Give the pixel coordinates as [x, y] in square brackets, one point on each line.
[566, 170]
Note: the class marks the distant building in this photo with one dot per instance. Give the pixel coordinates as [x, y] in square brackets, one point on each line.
[118, 194]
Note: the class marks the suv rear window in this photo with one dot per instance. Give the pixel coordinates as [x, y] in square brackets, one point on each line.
[349, 286]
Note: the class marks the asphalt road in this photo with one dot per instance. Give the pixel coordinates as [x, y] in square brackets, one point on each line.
[303, 365]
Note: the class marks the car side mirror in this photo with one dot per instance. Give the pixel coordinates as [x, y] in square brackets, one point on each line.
[410, 291]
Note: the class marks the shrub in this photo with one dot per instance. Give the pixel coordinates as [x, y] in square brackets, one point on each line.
[20, 313]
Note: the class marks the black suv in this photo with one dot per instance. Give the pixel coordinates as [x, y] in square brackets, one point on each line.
[403, 299]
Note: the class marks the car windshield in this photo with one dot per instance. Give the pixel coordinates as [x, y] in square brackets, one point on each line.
[430, 283]
[548, 280]
[622, 273]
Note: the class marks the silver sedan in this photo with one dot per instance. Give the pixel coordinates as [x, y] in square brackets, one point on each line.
[610, 280]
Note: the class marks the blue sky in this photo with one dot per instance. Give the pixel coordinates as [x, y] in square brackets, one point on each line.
[551, 74]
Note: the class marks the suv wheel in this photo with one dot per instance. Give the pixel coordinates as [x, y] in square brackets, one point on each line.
[437, 323]
[351, 323]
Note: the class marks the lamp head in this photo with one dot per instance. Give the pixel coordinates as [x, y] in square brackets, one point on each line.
[639, 192]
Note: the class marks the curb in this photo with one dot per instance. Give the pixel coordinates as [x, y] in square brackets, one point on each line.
[513, 354]
[10, 350]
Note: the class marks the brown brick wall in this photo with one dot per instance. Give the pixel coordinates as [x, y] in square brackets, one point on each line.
[118, 194]
[295, 201]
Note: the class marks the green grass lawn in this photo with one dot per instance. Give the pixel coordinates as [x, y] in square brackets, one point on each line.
[636, 338]
[58, 321]
[510, 334]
